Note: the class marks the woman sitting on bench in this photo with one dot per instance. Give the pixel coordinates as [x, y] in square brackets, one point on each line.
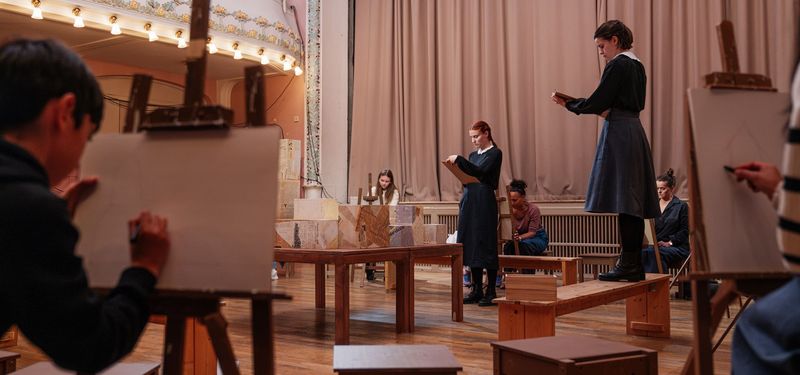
[527, 223]
[672, 228]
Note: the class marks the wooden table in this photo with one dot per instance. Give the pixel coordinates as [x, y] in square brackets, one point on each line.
[403, 257]
[394, 359]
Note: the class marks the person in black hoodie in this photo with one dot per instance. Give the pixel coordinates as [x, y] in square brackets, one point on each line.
[50, 105]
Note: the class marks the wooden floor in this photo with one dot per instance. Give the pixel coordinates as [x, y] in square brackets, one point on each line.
[304, 335]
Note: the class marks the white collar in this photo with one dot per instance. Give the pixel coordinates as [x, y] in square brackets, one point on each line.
[629, 54]
[480, 152]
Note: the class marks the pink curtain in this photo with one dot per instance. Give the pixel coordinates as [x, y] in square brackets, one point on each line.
[426, 70]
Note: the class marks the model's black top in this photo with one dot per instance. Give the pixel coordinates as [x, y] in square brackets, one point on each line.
[622, 87]
[43, 286]
[485, 167]
[673, 224]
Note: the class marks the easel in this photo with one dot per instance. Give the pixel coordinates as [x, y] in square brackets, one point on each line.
[707, 312]
[178, 306]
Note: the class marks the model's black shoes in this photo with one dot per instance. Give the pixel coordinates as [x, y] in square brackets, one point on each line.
[487, 300]
[474, 296]
[628, 268]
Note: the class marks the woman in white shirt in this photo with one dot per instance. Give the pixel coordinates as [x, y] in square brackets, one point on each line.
[385, 187]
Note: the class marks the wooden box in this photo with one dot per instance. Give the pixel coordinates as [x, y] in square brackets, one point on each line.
[307, 234]
[531, 287]
[9, 338]
[289, 154]
[288, 191]
[435, 233]
[363, 226]
[572, 355]
[316, 209]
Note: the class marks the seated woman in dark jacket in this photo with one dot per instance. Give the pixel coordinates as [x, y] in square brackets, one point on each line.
[672, 228]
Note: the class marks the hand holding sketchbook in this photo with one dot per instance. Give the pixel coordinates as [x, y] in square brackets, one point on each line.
[563, 96]
[460, 175]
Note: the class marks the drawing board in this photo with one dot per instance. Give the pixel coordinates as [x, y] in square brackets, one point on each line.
[732, 127]
[217, 189]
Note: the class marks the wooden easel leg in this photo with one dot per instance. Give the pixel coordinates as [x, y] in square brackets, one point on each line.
[217, 331]
[703, 358]
[319, 286]
[263, 344]
[173, 344]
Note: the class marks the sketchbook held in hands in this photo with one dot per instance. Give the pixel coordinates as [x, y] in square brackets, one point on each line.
[563, 96]
[460, 175]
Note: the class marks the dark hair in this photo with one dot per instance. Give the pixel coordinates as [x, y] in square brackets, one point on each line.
[618, 29]
[483, 127]
[387, 193]
[518, 186]
[668, 177]
[33, 72]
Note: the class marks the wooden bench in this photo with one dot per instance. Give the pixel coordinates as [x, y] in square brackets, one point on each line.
[570, 267]
[394, 359]
[647, 308]
[48, 368]
[8, 362]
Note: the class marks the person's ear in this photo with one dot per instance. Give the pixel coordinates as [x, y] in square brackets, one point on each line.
[614, 40]
[65, 110]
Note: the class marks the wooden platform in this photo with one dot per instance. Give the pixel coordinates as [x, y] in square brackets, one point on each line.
[647, 308]
[304, 334]
[394, 359]
[569, 266]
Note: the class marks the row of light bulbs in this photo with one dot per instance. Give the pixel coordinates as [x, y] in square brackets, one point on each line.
[181, 40]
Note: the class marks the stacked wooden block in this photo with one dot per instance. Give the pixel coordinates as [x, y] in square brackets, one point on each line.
[325, 224]
[288, 177]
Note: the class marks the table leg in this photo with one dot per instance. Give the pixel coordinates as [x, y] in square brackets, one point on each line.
[319, 286]
[402, 307]
[342, 313]
[457, 293]
[569, 272]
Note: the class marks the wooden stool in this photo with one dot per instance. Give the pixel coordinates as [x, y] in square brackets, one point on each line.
[8, 362]
[394, 359]
[139, 368]
[598, 259]
[572, 355]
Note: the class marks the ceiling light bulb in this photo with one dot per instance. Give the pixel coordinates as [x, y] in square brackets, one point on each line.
[212, 48]
[237, 55]
[115, 30]
[181, 40]
[297, 70]
[264, 57]
[151, 35]
[78, 19]
[287, 65]
[37, 12]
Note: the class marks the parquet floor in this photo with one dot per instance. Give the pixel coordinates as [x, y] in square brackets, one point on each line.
[304, 335]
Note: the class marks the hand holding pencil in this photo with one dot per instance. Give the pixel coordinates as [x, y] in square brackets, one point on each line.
[149, 242]
[760, 176]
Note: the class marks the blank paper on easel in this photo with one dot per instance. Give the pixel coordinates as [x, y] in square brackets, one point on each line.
[732, 127]
[217, 190]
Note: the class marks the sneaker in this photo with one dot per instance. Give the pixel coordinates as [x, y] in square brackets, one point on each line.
[499, 282]
[473, 297]
[467, 281]
[274, 274]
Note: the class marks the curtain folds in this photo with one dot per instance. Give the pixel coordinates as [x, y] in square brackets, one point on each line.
[425, 70]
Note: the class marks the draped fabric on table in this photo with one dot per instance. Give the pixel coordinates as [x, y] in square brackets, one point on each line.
[425, 70]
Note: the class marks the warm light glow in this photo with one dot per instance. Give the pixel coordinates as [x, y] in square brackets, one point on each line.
[212, 48]
[78, 19]
[181, 40]
[115, 30]
[37, 12]
[297, 70]
[151, 35]
[264, 57]
[237, 55]
[287, 65]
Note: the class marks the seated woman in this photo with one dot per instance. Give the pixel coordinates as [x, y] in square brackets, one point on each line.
[527, 223]
[672, 228]
[386, 190]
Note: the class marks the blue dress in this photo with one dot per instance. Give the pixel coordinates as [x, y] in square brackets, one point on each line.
[477, 211]
[622, 179]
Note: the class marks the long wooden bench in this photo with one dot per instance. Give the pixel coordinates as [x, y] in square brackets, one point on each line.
[647, 308]
[570, 267]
